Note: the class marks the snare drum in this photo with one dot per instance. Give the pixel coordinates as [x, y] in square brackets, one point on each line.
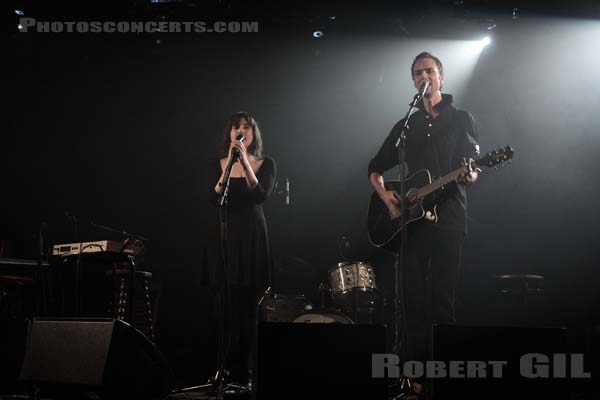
[352, 283]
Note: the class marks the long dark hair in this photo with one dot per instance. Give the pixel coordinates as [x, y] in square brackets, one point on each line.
[256, 147]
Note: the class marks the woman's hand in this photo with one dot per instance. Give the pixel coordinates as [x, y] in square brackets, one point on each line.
[241, 148]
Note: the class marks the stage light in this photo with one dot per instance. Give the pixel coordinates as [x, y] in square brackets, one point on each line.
[485, 41]
[515, 13]
[20, 13]
[318, 34]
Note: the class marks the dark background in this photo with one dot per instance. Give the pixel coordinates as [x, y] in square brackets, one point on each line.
[117, 129]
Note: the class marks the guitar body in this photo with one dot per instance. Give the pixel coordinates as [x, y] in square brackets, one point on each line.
[385, 232]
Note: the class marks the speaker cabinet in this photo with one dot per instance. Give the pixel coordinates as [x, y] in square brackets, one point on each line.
[13, 336]
[104, 356]
[462, 344]
[318, 360]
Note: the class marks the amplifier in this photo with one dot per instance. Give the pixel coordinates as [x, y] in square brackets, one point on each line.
[498, 344]
[99, 246]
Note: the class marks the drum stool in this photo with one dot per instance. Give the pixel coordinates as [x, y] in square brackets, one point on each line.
[520, 299]
[119, 303]
[522, 286]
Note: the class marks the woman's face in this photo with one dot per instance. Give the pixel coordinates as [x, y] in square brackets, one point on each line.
[242, 129]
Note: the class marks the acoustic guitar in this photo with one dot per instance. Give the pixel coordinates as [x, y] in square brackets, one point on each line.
[421, 202]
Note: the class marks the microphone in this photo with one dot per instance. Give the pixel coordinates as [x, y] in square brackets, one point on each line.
[287, 192]
[423, 87]
[236, 153]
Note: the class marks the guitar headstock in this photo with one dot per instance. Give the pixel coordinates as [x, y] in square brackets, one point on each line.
[495, 157]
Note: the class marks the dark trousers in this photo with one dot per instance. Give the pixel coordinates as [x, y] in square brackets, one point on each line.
[430, 278]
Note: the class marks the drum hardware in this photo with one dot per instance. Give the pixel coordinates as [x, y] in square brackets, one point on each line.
[352, 284]
[371, 313]
[324, 317]
[344, 248]
[346, 276]
[278, 307]
[324, 293]
[353, 291]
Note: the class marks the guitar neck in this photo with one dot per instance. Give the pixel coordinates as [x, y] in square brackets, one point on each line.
[490, 159]
[438, 183]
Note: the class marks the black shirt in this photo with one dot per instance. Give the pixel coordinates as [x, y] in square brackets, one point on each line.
[438, 145]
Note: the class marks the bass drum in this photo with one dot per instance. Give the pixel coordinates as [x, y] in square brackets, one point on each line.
[324, 317]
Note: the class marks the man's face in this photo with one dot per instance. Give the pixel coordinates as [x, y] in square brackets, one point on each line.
[426, 68]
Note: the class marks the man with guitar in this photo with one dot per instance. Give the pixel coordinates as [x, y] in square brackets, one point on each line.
[439, 139]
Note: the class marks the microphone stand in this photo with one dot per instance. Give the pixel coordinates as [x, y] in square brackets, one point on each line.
[224, 298]
[42, 273]
[78, 300]
[217, 382]
[400, 257]
[122, 232]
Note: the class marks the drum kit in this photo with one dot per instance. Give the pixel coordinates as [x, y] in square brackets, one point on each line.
[350, 296]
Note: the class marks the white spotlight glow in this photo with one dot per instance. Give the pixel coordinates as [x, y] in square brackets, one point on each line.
[485, 41]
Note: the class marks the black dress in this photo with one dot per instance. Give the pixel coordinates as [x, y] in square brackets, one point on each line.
[249, 262]
[249, 254]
